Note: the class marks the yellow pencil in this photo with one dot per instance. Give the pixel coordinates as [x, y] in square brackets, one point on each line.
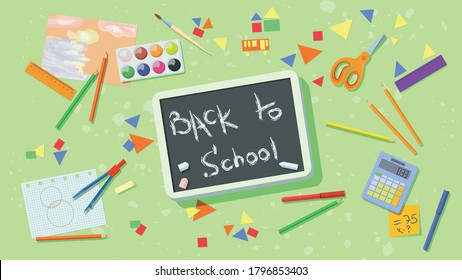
[359, 131]
[391, 127]
[401, 114]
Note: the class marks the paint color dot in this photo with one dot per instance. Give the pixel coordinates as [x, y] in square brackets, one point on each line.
[158, 67]
[128, 72]
[171, 48]
[174, 64]
[156, 50]
[141, 53]
[125, 55]
[143, 69]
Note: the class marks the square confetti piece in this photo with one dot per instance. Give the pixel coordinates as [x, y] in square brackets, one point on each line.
[31, 155]
[198, 32]
[129, 145]
[59, 144]
[141, 230]
[317, 36]
[135, 224]
[256, 27]
[202, 242]
[271, 25]
[252, 232]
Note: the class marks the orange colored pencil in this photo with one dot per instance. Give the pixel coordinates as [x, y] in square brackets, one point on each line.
[98, 88]
[401, 114]
[391, 127]
[71, 237]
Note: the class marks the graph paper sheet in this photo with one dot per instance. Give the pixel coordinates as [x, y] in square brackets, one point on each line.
[52, 210]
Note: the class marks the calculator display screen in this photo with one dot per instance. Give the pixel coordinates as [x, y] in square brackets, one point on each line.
[395, 169]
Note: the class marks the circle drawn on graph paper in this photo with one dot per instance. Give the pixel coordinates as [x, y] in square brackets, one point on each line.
[51, 197]
[61, 215]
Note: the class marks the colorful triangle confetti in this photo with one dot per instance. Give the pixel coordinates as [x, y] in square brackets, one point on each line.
[256, 17]
[241, 235]
[272, 14]
[428, 52]
[399, 69]
[393, 41]
[228, 228]
[207, 24]
[140, 142]
[368, 14]
[221, 42]
[197, 21]
[308, 53]
[40, 151]
[319, 81]
[342, 29]
[289, 60]
[60, 156]
[204, 210]
[191, 211]
[245, 219]
[133, 121]
[400, 22]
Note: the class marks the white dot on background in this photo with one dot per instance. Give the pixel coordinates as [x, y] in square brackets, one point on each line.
[118, 119]
[387, 249]
[356, 99]
[314, 99]
[102, 167]
[377, 239]
[133, 204]
[308, 250]
[86, 128]
[352, 116]
[127, 105]
[347, 243]
[166, 212]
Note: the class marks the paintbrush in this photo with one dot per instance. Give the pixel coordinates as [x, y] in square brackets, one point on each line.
[181, 33]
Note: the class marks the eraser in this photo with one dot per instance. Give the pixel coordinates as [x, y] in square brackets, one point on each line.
[183, 166]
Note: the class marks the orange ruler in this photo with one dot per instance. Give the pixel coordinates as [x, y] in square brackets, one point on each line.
[51, 81]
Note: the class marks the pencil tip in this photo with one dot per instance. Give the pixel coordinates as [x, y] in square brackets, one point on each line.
[158, 16]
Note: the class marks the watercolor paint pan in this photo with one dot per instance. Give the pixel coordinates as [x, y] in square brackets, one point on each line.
[151, 60]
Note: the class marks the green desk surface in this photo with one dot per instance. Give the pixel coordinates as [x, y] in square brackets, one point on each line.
[354, 230]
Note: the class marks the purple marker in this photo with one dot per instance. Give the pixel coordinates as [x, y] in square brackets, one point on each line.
[420, 73]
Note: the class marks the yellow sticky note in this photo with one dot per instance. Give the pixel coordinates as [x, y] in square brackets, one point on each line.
[407, 223]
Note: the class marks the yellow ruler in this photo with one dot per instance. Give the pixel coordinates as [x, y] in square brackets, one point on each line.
[51, 81]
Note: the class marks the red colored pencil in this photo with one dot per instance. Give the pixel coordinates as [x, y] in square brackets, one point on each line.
[313, 196]
[98, 88]
[71, 237]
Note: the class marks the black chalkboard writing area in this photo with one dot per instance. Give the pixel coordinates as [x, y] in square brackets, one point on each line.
[232, 134]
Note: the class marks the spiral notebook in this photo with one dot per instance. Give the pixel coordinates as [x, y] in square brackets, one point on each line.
[51, 209]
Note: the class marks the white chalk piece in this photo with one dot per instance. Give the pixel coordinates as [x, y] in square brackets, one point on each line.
[184, 183]
[183, 166]
[124, 187]
[288, 165]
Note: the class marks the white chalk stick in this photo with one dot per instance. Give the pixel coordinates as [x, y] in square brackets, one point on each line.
[288, 165]
[183, 166]
[184, 183]
[124, 187]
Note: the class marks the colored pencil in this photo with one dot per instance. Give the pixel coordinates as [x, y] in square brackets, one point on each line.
[71, 237]
[391, 127]
[313, 196]
[401, 114]
[359, 131]
[99, 84]
[77, 100]
[181, 33]
[310, 216]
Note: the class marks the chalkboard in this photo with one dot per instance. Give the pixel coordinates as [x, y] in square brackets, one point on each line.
[234, 135]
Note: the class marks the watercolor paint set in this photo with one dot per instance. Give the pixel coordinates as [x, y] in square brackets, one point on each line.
[150, 60]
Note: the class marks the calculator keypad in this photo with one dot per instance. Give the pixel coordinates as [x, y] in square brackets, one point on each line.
[386, 189]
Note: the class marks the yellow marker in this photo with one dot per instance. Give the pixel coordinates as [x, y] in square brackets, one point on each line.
[359, 131]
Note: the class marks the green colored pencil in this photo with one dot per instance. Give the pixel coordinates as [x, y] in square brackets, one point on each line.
[77, 100]
[310, 216]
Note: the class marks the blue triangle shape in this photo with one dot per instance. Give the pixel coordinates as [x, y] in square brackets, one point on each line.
[289, 60]
[241, 235]
[60, 156]
[197, 21]
[133, 121]
[368, 14]
[256, 17]
[399, 69]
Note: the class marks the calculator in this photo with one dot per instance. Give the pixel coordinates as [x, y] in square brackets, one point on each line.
[390, 182]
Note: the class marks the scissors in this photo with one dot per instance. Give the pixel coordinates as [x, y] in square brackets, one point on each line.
[350, 71]
[111, 173]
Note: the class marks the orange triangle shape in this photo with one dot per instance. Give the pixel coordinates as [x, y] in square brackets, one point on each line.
[207, 24]
[308, 53]
[140, 142]
[204, 210]
[228, 228]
